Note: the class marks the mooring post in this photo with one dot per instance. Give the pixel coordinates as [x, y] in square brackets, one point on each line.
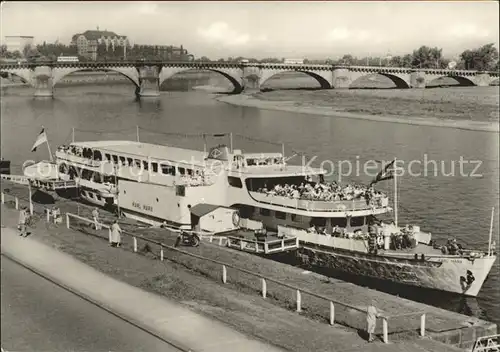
[3, 198]
[385, 330]
[109, 235]
[299, 301]
[135, 244]
[161, 253]
[264, 288]
[17, 203]
[48, 215]
[332, 313]
[422, 325]
[67, 218]
[224, 274]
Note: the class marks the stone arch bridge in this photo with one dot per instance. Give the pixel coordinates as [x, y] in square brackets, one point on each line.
[245, 77]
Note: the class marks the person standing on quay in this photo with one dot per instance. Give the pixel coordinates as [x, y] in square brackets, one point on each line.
[23, 218]
[95, 215]
[116, 232]
[371, 319]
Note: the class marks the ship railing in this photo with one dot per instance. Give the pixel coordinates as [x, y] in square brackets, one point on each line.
[487, 344]
[77, 159]
[319, 205]
[219, 269]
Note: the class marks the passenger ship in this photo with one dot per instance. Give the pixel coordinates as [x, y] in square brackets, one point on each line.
[156, 184]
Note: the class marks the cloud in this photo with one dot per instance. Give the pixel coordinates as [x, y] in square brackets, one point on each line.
[222, 33]
[147, 8]
[467, 31]
[342, 34]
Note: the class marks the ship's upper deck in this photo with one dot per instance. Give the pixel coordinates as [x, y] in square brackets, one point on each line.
[251, 164]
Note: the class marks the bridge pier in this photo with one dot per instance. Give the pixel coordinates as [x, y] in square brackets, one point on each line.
[43, 82]
[149, 80]
[341, 78]
[483, 80]
[418, 79]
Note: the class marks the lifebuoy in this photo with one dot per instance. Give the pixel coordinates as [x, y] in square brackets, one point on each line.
[380, 241]
[236, 219]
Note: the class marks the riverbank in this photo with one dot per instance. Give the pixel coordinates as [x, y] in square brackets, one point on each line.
[366, 105]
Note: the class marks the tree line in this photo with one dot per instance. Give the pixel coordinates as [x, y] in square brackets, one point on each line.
[483, 58]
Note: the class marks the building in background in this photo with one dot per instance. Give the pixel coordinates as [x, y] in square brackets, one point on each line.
[88, 41]
[18, 43]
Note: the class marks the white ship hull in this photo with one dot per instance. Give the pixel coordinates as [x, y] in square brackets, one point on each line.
[446, 273]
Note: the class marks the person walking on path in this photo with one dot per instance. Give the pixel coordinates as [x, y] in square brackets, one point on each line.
[371, 319]
[21, 225]
[95, 215]
[116, 232]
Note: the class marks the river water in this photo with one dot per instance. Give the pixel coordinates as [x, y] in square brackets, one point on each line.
[446, 205]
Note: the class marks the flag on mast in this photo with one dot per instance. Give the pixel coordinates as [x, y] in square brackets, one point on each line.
[42, 138]
[386, 173]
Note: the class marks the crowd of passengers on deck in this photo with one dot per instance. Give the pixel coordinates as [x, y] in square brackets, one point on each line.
[323, 191]
[80, 152]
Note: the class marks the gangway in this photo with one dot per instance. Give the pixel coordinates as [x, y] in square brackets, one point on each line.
[49, 185]
[487, 344]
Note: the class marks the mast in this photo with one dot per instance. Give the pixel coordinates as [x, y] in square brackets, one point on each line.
[491, 230]
[48, 146]
[231, 141]
[395, 194]
[73, 135]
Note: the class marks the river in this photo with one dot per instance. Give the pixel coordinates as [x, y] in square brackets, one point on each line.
[455, 205]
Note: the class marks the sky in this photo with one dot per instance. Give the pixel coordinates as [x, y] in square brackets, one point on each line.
[267, 29]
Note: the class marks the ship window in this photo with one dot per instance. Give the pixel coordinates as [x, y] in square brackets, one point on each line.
[296, 218]
[97, 177]
[138, 163]
[340, 222]
[91, 195]
[155, 167]
[145, 164]
[189, 172]
[265, 212]
[115, 159]
[130, 161]
[280, 215]
[168, 170]
[182, 171]
[357, 221]
[108, 157]
[321, 222]
[251, 162]
[84, 193]
[122, 159]
[98, 197]
[97, 155]
[234, 181]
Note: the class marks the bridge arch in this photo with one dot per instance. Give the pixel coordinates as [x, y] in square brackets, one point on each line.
[400, 83]
[129, 72]
[323, 78]
[462, 80]
[4, 74]
[230, 74]
[23, 74]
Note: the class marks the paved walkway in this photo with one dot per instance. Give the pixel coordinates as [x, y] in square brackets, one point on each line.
[165, 318]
